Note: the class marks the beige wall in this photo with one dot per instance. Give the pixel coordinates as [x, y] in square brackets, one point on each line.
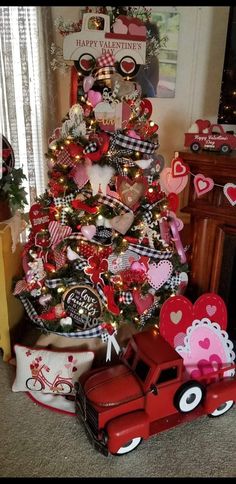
[202, 39]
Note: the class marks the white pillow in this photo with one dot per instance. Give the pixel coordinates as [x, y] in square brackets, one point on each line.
[49, 371]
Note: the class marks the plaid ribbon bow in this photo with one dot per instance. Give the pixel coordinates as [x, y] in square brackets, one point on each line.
[63, 202]
[106, 60]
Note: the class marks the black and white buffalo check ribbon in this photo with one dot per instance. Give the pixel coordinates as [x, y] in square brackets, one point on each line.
[150, 312]
[149, 252]
[173, 283]
[134, 144]
[90, 147]
[126, 297]
[97, 332]
[53, 283]
[64, 202]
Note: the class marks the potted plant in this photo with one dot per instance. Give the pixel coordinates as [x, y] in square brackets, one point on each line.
[12, 192]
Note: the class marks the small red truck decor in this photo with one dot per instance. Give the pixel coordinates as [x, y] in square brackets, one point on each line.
[204, 135]
[126, 43]
[154, 386]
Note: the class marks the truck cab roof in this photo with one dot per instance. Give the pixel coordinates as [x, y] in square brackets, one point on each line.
[151, 344]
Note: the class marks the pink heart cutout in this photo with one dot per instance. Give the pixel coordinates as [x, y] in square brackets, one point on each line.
[210, 310]
[205, 343]
[94, 97]
[202, 184]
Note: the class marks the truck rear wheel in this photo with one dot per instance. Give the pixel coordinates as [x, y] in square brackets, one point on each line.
[127, 66]
[195, 147]
[222, 409]
[188, 397]
[129, 446]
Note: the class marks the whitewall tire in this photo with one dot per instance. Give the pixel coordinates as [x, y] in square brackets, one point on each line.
[131, 445]
[222, 409]
[189, 397]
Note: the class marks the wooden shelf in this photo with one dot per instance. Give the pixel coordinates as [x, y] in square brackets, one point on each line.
[211, 217]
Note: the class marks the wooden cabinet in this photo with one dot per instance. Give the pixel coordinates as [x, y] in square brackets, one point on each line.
[213, 218]
[11, 309]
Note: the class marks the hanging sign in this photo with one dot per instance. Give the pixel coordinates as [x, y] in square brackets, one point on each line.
[83, 305]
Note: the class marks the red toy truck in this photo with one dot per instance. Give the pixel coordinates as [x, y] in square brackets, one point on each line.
[215, 139]
[146, 392]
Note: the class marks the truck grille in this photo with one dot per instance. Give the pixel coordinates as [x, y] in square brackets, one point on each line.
[89, 414]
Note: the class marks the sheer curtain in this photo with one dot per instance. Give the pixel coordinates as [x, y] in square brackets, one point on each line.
[27, 90]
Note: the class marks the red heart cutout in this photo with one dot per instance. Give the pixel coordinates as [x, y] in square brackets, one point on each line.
[178, 167]
[142, 303]
[127, 66]
[74, 369]
[177, 314]
[146, 108]
[205, 343]
[70, 358]
[230, 192]
[173, 202]
[86, 64]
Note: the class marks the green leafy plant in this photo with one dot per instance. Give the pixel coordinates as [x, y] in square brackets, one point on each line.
[12, 190]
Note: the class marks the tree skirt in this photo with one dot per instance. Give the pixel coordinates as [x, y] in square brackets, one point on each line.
[57, 403]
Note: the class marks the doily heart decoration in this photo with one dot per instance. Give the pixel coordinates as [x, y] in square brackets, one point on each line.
[179, 168]
[159, 273]
[142, 302]
[230, 193]
[202, 184]
[206, 349]
[177, 313]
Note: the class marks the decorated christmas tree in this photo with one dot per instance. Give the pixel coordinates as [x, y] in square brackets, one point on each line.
[104, 246]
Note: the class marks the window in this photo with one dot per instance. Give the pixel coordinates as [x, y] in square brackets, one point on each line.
[167, 374]
[24, 90]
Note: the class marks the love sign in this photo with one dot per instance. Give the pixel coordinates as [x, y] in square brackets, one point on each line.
[83, 305]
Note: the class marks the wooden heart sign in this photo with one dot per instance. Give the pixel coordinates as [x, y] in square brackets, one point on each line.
[178, 313]
[130, 191]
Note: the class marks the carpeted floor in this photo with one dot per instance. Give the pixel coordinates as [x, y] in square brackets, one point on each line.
[37, 442]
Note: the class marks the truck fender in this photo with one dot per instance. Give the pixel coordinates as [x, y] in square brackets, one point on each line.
[75, 54]
[219, 393]
[124, 428]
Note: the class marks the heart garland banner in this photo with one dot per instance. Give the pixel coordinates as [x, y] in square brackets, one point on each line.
[202, 184]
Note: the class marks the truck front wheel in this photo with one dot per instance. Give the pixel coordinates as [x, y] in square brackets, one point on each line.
[129, 446]
[188, 397]
[222, 409]
[225, 149]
